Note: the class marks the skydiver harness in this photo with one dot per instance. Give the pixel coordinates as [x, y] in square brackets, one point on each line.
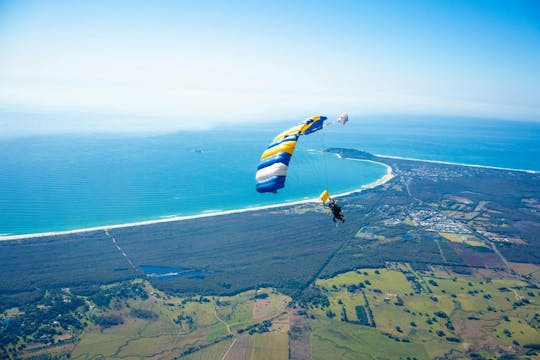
[335, 209]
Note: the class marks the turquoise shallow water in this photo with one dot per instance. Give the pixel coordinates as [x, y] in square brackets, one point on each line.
[68, 182]
[54, 183]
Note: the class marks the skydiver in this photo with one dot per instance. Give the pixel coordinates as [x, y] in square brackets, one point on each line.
[335, 208]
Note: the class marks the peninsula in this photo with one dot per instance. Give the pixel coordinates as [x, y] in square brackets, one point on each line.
[426, 258]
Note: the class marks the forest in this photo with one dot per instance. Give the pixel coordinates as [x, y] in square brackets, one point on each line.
[428, 214]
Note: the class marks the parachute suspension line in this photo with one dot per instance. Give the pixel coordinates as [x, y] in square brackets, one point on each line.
[342, 119]
[314, 161]
[324, 162]
[274, 162]
[309, 157]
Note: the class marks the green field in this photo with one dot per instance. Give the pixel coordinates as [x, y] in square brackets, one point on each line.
[388, 273]
[449, 314]
[213, 352]
[389, 282]
[198, 327]
[236, 310]
[403, 313]
[333, 339]
[268, 347]
[379, 278]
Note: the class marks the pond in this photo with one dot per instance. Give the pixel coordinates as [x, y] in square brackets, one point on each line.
[165, 272]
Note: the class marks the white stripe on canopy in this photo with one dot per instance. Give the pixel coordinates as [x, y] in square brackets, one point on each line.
[277, 169]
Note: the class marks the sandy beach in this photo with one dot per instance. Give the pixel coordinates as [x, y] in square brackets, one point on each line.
[386, 178]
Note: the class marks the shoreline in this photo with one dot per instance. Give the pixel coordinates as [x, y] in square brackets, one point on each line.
[458, 164]
[208, 213]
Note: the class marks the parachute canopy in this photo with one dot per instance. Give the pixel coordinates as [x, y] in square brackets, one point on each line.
[272, 169]
[343, 118]
[325, 195]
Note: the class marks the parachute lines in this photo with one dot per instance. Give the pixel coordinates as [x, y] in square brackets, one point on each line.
[274, 163]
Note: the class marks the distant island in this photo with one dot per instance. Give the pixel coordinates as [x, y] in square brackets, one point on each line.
[437, 261]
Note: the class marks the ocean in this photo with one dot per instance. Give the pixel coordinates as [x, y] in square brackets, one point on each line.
[65, 182]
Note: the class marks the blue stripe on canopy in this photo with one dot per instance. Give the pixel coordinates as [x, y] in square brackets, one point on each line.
[272, 179]
[271, 185]
[315, 126]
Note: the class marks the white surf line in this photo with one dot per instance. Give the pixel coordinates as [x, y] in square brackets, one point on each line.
[389, 175]
[386, 178]
[155, 221]
[121, 251]
[460, 164]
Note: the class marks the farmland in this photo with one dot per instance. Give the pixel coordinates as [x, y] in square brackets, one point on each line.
[202, 327]
[442, 261]
[450, 315]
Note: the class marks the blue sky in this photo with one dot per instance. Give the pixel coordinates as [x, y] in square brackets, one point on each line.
[189, 63]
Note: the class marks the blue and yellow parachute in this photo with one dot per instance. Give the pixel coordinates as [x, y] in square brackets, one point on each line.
[272, 169]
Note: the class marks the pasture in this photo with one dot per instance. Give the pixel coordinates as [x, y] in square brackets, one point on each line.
[199, 327]
[269, 346]
[369, 311]
[334, 339]
[449, 314]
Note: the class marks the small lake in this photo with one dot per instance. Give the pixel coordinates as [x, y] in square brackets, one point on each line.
[165, 272]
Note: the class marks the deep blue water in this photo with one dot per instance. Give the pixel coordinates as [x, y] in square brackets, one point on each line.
[508, 144]
[62, 182]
